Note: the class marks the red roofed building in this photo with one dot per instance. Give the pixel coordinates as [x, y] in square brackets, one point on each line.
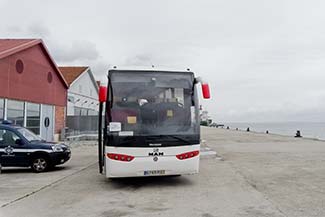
[33, 92]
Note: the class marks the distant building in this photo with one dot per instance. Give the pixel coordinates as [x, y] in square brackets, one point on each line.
[204, 116]
[33, 92]
[83, 91]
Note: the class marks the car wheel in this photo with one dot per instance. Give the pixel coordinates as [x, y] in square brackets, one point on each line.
[40, 164]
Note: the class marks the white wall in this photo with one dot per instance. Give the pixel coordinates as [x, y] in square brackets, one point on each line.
[83, 89]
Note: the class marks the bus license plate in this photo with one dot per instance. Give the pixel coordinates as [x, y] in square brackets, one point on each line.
[154, 172]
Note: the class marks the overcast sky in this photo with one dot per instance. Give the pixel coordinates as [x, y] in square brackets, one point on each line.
[264, 59]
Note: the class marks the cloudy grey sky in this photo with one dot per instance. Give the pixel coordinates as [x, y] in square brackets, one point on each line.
[264, 60]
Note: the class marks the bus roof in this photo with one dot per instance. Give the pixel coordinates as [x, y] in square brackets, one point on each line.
[149, 69]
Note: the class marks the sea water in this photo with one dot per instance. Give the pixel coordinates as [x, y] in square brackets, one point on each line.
[307, 129]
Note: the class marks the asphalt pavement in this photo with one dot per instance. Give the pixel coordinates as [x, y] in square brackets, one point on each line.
[241, 174]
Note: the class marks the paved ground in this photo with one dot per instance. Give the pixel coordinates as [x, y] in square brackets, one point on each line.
[253, 175]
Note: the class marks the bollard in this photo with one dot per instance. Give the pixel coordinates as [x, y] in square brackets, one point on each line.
[298, 134]
[247, 129]
[267, 132]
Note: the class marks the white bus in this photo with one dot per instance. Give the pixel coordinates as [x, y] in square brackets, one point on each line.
[151, 124]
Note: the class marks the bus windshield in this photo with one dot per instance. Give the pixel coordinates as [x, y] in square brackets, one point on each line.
[154, 103]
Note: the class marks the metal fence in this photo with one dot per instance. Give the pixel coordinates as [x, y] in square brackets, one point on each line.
[81, 126]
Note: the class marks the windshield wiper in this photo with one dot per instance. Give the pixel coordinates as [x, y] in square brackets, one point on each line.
[179, 138]
[153, 137]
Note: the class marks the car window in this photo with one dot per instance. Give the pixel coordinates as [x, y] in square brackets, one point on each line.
[1, 139]
[29, 135]
[8, 137]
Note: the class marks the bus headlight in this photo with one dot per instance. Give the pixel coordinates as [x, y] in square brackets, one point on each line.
[57, 148]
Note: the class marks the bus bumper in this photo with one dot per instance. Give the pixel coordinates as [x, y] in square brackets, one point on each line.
[144, 165]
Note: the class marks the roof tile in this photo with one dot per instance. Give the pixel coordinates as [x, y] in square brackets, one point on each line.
[71, 73]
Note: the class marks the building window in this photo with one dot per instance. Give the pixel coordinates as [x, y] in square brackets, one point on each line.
[33, 118]
[84, 112]
[1, 109]
[19, 66]
[77, 111]
[71, 99]
[92, 113]
[80, 111]
[49, 77]
[15, 112]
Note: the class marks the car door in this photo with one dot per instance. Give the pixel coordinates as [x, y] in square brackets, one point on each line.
[13, 151]
[6, 152]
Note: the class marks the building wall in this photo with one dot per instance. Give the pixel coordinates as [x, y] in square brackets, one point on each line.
[59, 119]
[82, 95]
[34, 81]
[38, 82]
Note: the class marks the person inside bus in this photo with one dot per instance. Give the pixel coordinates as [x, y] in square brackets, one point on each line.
[148, 110]
[141, 102]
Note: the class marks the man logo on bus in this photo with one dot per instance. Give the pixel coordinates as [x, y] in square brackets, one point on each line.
[156, 152]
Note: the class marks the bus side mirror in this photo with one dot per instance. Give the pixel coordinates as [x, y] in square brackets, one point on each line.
[102, 94]
[205, 90]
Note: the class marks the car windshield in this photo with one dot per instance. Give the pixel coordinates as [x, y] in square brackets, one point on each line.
[154, 103]
[30, 136]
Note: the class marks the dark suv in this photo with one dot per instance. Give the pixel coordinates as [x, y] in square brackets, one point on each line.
[20, 147]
